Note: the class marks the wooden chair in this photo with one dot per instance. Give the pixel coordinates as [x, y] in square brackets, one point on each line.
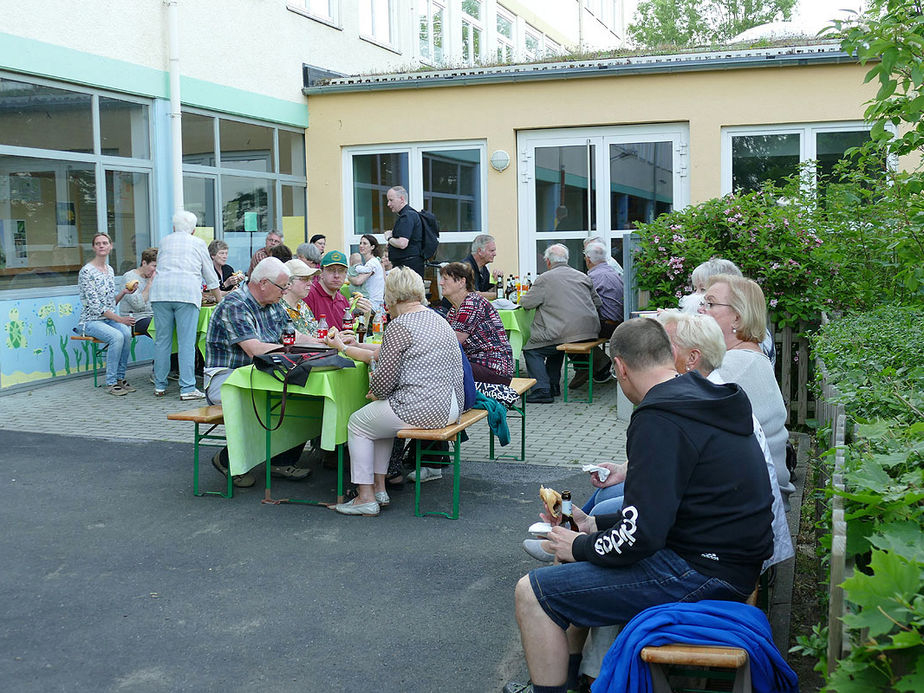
[578, 352]
[213, 417]
[453, 435]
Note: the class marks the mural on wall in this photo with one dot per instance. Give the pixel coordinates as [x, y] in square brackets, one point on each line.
[38, 342]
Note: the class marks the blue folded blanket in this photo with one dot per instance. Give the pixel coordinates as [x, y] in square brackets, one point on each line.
[497, 417]
[709, 622]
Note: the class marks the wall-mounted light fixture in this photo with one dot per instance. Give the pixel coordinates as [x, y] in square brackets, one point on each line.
[500, 160]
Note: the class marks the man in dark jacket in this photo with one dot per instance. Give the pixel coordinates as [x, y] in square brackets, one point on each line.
[695, 522]
[405, 241]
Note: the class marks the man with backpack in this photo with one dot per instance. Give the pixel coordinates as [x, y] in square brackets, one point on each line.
[405, 241]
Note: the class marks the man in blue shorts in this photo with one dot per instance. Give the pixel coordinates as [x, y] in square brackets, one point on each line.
[695, 522]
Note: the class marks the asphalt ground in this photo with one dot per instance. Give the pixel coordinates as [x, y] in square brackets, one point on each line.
[116, 578]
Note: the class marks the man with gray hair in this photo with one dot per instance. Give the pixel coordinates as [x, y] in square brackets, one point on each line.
[610, 260]
[608, 285]
[484, 249]
[309, 254]
[273, 238]
[183, 267]
[405, 241]
[246, 323]
[566, 311]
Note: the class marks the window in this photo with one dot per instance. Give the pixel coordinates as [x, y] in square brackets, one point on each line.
[753, 155]
[52, 203]
[505, 36]
[472, 28]
[254, 183]
[552, 49]
[532, 44]
[375, 20]
[431, 31]
[446, 179]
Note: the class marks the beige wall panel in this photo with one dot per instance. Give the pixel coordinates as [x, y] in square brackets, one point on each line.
[495, 113]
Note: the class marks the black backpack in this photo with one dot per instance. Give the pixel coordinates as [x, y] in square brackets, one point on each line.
[431, 234]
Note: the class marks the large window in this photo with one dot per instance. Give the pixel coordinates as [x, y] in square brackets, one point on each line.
[753, 155]
[431, 16]
[446, 179]
[243, 179]
[81, 164]
[375, 20]
[506, 34]
[472, 28]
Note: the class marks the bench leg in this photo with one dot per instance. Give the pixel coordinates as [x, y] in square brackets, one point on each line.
[455, 461]
[564, 387]
[416, 445]
[197, 439]
[522, 412]
[339, 473]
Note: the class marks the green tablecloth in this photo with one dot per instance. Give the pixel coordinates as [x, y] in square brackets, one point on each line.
[516, 323]
[328, 399]
[202, 328]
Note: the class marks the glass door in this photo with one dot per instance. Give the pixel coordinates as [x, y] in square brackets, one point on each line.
[576, 184]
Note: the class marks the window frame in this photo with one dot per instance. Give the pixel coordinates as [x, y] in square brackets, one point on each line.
[100, 163]
[373, 37]
[429, 7]
[331, 19]
[414, 152]
[473, 23]
[504, 42]
[807, 141]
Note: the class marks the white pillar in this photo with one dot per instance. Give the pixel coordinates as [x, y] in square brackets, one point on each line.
[176, 126]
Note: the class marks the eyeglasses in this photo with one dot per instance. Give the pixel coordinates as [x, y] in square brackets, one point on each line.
[281, 288]
[709, 304]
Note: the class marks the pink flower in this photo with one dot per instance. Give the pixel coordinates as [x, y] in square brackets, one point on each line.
[773, 302]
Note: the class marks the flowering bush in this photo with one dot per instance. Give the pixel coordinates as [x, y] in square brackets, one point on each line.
[773, 242]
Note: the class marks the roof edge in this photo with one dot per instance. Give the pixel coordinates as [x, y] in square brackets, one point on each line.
[680, 62]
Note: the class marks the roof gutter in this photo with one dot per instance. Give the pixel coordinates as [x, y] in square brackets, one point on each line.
[640, 65]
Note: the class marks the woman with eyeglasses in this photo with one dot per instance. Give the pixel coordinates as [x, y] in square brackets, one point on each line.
[738, 306]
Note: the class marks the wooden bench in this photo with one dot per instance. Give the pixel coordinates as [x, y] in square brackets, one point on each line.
[211, 416]
[97, 353]
[579, 351]
[521, 385]
[451, 434]
[690, 660]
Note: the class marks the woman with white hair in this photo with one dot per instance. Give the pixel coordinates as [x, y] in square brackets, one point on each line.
[184, 266]
[738, 306]
[416, 382]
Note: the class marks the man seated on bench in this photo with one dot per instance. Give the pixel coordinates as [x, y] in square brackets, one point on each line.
[566, 311]
[248, 322]
[695, 523]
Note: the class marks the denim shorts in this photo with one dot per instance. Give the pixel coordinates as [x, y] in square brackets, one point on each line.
[587, 595]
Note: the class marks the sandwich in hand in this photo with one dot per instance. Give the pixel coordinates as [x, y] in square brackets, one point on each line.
[552, 500]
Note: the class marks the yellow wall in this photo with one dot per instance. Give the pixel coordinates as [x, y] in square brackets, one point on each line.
[496, 112]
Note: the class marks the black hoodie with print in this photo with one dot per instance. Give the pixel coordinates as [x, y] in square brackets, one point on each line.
[696, 484]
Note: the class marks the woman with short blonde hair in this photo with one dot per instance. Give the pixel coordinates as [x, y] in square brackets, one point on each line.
[404, 285]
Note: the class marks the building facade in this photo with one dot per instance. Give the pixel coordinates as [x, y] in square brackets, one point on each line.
[85, 126]
[536, 154]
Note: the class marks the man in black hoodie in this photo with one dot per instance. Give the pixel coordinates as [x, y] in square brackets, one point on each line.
[696, 517]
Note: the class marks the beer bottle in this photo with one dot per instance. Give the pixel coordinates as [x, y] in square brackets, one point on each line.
[499, 288]
[567, 519]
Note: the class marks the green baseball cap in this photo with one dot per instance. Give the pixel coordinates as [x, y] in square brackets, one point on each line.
[334, 257]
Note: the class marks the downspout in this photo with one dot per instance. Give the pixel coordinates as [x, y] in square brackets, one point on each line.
[580, 6]
[176, 125]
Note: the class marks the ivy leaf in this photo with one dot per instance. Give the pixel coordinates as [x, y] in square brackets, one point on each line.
[878, 595]
[871, 477]
[856, 677]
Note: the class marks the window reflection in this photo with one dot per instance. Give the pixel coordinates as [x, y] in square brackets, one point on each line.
[564, 182]
[641, 182]
[198, 139]
[759, 158]
[247, 204]
[373, 175]
[123, 129]
[35, 115]
[127, 218]
[246, 146]
[48, 223]
[451, 187]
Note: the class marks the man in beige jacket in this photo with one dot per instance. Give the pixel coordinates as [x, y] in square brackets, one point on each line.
[566, 311]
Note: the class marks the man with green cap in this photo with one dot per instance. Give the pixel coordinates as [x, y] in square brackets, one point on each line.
[324, 297]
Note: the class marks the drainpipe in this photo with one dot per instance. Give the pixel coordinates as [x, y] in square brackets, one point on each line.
[580, 6]
[176, 126]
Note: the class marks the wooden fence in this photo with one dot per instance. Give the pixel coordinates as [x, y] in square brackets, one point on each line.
[794, 373]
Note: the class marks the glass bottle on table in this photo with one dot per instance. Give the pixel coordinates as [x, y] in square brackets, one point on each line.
[567, 510]
[377, 329]
[499, 288]
[359, 325]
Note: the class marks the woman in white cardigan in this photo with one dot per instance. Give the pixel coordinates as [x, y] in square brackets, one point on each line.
[738, 305]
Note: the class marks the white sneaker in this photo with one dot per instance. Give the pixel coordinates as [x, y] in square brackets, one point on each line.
[192, 394]
[426, 474]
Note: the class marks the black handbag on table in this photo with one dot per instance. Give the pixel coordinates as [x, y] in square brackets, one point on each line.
[293, 366]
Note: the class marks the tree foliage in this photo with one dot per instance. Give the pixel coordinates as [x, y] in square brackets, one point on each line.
[699, 22]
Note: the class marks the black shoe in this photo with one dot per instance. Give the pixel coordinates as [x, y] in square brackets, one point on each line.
[579, 380]
[556, 391]
[539, 398]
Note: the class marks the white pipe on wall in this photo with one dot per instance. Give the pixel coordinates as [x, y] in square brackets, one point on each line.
[176, 124]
